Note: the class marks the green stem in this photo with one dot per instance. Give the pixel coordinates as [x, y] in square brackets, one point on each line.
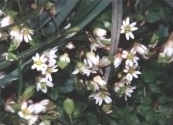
[71, 121]
[41, 29]
[54, 20]
[19, 6]
[20, 89]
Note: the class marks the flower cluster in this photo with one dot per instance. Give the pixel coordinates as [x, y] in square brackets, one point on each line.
[28, 110]
[93, 65]
[131, 68]
[21, 33]
[15, 34]
[46, 65]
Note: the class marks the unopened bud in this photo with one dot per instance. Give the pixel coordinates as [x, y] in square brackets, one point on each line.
[27, 94]
[10, 56]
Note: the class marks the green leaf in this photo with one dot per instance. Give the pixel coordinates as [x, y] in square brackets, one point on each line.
[112, 122]
[53, 93]
[142, 110]
[153, 17]
[79, 108]
[162, 99]
[132, 119]
[91, 119]
[117, 113]
[149, 75]
[128, 109]
[146, 101]
[154, 88]
[68, 106]
[9, 78]
[69, 86]
[151, 116]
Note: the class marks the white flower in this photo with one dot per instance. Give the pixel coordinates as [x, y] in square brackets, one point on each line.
[26, 112]
[99, 32]
[39, 62]
[25, 34]
[33, 120]
[81, 67]
[15, 31]
[92, 59]
[128, 28]
[6, 21]
[129, 90]
[42, 84]
[131, 72]
[100, 97]
[117, 59]
[40, 107]
[141, 49]
[51, 55]
[130, 57]
[49, 70]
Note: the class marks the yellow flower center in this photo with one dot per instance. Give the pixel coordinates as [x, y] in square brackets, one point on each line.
[49, 70]
[38, 62]
[130, 56]
[127, 29]
[25, 31]
[131, 70]
[102, 95]
[26, 112]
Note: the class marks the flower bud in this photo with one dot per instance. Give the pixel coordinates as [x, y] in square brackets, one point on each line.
[107, 25]
[99, 32]
[50, 7]
[168, 47]
[92, 59]
[117, 59]
[153, 41]
[27, 94]
[45, 122]
[97, 79]
[6, 21]
[64, 60]
[107, 108]
[14, 44]
[10, 56]
[141, 49]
